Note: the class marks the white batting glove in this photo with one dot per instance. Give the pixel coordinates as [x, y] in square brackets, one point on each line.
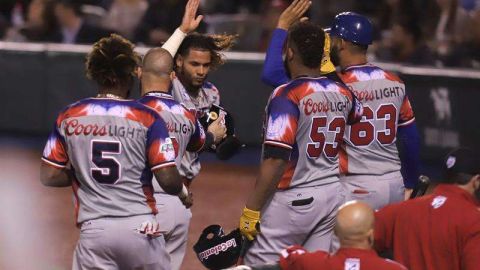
[150, 228]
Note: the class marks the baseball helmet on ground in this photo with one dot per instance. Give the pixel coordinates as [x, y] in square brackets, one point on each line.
[352, 27]
[215, 250]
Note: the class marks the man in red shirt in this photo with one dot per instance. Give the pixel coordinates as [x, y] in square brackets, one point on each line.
[440, 231]
[354, 229]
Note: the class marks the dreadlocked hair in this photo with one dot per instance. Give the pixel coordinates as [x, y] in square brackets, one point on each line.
[112, 61]
[215, 44]
[309, 40]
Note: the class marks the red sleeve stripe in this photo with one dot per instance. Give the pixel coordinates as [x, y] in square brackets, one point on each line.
[407, 122]
[279, 144]
[163, 165]
[54, 164]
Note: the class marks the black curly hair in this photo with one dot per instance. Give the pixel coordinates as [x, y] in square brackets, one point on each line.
[215, 44]
[309, 39]
[112, 61]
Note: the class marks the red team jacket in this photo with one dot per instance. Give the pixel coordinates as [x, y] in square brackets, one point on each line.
[436, 232]
[297, 258]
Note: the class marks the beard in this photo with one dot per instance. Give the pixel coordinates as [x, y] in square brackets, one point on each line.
[477, 195]
[188, 80]
[334, 56]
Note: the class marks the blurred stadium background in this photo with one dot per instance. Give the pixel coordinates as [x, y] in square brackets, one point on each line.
[434, 45]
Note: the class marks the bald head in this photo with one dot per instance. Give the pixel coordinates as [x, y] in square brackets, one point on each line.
[354, 226]
[157, 61]
[156, 69]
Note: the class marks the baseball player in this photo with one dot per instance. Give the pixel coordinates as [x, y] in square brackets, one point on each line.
[187, 134]
[155, 75]
[439, 231]
[197, 55]
[369, 162]
[297, 190]
[105, 147]
[354, 228]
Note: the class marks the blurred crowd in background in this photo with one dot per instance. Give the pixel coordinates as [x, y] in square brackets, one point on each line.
[442, 33]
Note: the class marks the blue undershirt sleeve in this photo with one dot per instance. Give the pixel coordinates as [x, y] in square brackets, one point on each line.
[410, 140]
[274, 73]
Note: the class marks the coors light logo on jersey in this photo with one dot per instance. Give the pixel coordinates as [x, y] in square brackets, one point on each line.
[75, 128]
[387, 92]
[310, 106]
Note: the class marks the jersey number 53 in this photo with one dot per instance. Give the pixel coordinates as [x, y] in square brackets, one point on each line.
[318, 130]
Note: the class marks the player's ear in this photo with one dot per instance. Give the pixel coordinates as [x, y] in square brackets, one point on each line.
[476, 181]
[371, 237]
[172, 75]
[179, 61]
[139, 73]
[289, 54]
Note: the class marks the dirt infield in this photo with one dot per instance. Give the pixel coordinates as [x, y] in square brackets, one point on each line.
[37, 229]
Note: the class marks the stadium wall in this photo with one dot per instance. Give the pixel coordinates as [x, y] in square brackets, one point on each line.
[38, 80]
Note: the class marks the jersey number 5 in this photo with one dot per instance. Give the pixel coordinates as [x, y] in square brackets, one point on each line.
[107, 169]
[317, 135]
[363, 133]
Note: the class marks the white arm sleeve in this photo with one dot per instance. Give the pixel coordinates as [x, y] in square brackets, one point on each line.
[174, 42]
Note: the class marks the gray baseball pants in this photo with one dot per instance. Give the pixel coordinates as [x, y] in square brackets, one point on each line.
[298, 216]
[115, 243]
[174, 219]
[376, 190]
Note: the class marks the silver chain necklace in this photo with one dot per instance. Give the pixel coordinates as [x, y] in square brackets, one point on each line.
[108, 95]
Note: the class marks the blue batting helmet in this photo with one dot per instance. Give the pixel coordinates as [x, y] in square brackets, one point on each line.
[352, 27]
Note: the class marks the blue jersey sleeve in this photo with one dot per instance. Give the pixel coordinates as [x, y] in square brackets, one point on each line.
[410, 141]
[274, 73]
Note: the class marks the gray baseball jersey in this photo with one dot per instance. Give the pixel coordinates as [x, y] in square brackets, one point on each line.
[186, 132]
[370, 144]
[208, 95]
[111, 145]
[308, 116]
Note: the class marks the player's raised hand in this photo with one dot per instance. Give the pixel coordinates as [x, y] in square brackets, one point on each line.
[293, 13]
[190, 21]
